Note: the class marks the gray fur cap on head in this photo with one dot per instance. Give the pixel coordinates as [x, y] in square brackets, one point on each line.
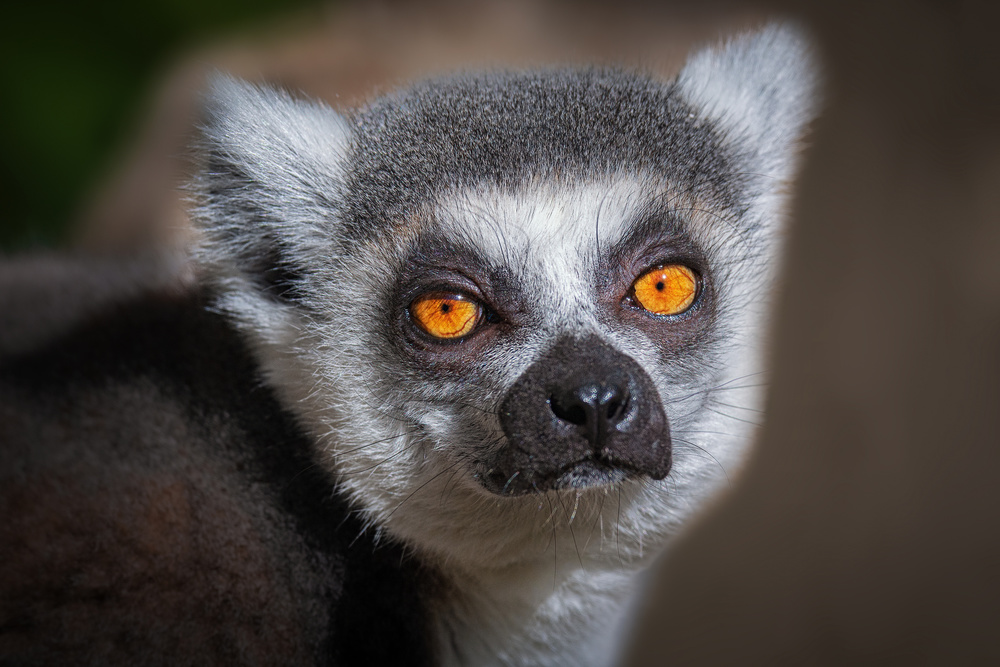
[718, 129]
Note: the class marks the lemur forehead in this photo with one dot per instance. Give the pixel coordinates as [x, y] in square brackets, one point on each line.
[555, 235]
[546, 219]
[507, 129]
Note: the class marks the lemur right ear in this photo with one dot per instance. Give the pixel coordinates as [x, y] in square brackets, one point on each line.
[760, 92]
[272, 167]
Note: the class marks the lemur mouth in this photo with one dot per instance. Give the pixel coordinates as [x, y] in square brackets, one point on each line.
[579, 475]
[589, 473]
[584, 473]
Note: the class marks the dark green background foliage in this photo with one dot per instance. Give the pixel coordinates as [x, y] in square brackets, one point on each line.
[73, 77]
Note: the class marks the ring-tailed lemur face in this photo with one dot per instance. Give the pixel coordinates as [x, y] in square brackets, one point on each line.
[552, 323]
[507, 303]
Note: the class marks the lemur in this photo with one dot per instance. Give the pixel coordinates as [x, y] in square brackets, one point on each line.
[458, 366]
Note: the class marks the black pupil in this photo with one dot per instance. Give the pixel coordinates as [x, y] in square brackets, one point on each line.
[445, 307]
[660, 285]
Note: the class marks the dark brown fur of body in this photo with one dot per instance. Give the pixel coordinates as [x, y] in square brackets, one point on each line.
[195, 531]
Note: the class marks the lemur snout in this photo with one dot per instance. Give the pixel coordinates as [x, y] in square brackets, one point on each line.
[595, 405]
[582, 414]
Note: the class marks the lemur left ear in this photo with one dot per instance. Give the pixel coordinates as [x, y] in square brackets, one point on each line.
[760, 90]
[271, 170]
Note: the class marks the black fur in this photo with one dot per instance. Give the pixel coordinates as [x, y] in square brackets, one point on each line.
[202, 532]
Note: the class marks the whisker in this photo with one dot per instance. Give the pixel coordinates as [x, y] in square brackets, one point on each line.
[555, 542]
[414, 492]
[597, 518]
[725, 386]
[379, 442]
[382, 462]
[728, 416]
[451, 401]
[618, 529]
[739, 407]
[509, 480]
[572, 533]
[708, 454]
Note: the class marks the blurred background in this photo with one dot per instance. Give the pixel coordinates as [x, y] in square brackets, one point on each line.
[75, 79]
[863, 531]
[100, 99]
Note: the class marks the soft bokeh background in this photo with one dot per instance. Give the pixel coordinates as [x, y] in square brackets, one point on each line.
[100, 99]
[864, 530]
[75, 79]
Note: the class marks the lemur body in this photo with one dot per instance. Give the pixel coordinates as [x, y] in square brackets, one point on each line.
[462, 364]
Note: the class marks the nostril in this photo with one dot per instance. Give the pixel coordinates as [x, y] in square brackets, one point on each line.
[574, 413]
[616, 410]
[614, 401]
[595, 406]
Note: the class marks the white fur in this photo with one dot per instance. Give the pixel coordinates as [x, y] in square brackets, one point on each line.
[757, 87]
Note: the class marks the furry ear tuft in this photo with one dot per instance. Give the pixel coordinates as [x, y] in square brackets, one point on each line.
[267, 192]
[761, 91]
[267, 133]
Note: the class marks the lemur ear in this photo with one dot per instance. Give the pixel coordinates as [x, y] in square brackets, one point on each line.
[266, 193]
[760, 90]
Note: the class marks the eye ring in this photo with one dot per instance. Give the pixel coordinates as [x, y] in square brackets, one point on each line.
[446, 316]
[666, 290]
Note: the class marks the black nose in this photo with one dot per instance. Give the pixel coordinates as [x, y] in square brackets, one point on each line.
[582, 414]
[595, 407]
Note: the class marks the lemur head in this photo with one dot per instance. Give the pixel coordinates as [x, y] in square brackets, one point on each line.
[511, 304]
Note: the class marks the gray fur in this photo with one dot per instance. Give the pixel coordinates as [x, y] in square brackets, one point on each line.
[544, 194]
[508, 128]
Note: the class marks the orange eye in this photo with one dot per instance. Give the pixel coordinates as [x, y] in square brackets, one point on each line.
[666, 290]
[446, 315]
